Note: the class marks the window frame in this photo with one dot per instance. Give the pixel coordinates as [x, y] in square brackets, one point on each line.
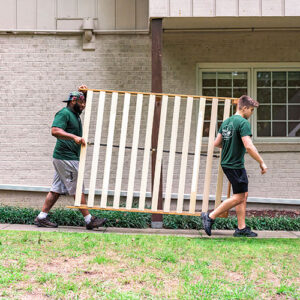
[252, 68]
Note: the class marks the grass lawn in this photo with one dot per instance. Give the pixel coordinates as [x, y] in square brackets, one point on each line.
[35, 265]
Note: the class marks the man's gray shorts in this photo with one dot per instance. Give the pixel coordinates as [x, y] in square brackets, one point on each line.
[65, 177]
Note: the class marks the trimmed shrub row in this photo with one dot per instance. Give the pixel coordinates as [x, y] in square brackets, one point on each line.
[70, 217]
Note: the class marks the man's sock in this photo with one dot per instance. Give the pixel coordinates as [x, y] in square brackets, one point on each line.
[42, 215]
[88, 219]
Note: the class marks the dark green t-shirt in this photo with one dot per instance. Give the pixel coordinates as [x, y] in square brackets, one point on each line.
[233, 150]
[71, 123]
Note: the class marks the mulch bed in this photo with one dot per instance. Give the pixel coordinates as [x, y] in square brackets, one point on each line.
[270, 213]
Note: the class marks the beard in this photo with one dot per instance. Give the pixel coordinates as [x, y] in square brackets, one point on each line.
[77, 108]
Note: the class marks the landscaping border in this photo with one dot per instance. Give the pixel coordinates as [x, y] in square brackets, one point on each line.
[70, 217]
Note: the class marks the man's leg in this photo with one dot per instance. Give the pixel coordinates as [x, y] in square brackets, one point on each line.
[68, 171]
[243, 230]
[42, 219]
[208, 219]
[91, 221]
[235, 200]
[85, 212]
[51, 199]
[241, 213]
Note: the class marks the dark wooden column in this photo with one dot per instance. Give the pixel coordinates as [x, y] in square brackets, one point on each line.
[156, 27]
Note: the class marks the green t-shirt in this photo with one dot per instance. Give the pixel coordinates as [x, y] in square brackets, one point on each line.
[233, 150]
[71, 123]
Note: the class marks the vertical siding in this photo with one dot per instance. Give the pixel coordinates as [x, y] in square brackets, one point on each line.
[106, 14]
[46, 13]
[204, 8]
[272, 8]
[141, 14]
[8, 15]
[159, 8]
[87, 8]
[67, 14]
[180, 8]
[292, 8]
[26, 14]
[207, 8]
[67, 9]
[249, 8]
[125, 14]
[226, 7]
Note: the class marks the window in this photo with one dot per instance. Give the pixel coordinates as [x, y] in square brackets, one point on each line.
[276, 88]
[222, 84]
[279, 96]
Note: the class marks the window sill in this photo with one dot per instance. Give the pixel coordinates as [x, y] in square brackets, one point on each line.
[266, 147]
[277, 147]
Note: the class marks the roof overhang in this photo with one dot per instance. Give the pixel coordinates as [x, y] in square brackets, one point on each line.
[230, 23]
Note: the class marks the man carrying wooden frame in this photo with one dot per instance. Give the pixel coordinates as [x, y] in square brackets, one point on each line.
[67, 128]
[234, 137]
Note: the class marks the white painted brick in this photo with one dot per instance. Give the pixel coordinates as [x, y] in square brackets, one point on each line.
[40, 71]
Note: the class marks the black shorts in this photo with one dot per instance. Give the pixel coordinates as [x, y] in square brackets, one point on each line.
[238, 179]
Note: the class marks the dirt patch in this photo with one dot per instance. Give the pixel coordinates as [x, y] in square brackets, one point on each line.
[119, 272]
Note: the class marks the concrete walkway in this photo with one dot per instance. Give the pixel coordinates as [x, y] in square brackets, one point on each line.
[173, 232]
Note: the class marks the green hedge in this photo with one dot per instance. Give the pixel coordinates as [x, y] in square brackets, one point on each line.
[72, 217]
[257, 223]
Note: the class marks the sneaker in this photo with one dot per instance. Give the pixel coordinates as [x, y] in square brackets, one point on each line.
[44, 223]
[246, 232]
[207, 222]
[95, 223]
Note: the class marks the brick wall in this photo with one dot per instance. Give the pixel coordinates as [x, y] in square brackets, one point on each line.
[38, 71]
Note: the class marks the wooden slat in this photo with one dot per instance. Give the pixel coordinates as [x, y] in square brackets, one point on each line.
[147, 148]
[210, 151]
[148, 211]
[85, 135]
[159, 154]
[170, 171]
[122, 145]
[110, 139]
[197, 156]
[220, 171]
[184, 156]
[96, 149]
[135, 144]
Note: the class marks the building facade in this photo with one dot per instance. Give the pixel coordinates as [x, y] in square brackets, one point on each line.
[223, 48]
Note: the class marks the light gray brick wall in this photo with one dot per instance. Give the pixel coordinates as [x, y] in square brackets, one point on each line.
[38, 71]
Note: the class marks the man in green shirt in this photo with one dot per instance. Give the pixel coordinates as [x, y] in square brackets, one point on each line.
[67, 128]
[234, 137]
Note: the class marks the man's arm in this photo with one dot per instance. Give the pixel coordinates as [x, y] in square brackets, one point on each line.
[251, 149]
[218, 141]
[61, 134]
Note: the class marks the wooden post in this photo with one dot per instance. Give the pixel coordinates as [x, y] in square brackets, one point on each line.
[156, 26]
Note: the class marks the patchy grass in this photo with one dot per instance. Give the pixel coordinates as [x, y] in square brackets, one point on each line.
[35, 265]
